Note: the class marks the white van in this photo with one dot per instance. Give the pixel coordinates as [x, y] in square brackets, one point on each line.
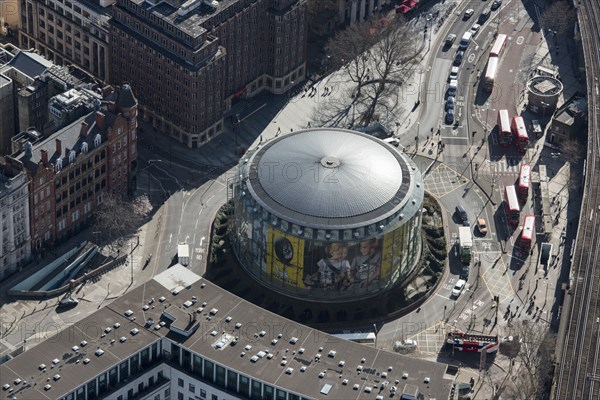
[465, 40]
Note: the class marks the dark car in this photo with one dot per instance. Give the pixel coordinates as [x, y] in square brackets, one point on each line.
[462, 215]
[496, 4]
[450, 103]
[450, 116]
[485, 14]
[459, 56]
[68, 302]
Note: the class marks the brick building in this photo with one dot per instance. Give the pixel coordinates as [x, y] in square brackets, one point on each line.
[71, 171]
[200, 56]
[68, 32]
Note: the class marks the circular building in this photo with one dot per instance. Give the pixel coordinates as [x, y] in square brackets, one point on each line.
[543, 93]
[327, 214]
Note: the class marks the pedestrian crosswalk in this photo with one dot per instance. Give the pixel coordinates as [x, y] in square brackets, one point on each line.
[504, 166]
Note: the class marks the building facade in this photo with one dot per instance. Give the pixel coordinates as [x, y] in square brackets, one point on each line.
[68, 32]
[7, 123]
[202, 55]
[569, 121]
[71, 171]
[15, 242]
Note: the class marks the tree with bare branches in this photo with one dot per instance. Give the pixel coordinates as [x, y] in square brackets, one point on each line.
[556, 17]
[532, 355]
[373, 55]
[117, 218]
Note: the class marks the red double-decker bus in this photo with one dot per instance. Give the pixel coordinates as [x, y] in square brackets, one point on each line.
[472, 343]
[490, 74]
[524, 179]
[527, 234]
[504, 132]
[512, 205]
[498, 46]
[520, 134]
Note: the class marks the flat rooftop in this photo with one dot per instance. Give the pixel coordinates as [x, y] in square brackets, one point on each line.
[329, 363]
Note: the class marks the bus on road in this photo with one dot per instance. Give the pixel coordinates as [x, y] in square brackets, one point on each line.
[524, 181]
[490, 74]
[512, 205]
[520, 134]
[367, 338]
[498, 46]
[460, 341]
[527, 234]
[504, 132]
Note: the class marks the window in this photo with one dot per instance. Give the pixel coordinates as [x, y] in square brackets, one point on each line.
[180, 382]
[192, 388]
[203, 393]
[179, 396]
[214, 397]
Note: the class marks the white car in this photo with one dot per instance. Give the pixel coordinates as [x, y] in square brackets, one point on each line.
[459, 287]
[468, 13]
[475, 29]
[453, 74]
[405, 345]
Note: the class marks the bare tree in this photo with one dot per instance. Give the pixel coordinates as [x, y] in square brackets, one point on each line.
[555, 17]
[572, 150]
[533, 362]
[117, 218]
[320, 13]
[375, 56]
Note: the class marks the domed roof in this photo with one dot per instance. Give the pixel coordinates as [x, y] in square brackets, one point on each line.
[329, 174]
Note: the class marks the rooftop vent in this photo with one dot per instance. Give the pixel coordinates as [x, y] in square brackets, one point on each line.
[48, 387]
[99, 352]
[331, 353]
[107, 330]
[75, 348]
[261, 354]
[18, 380]
[128, 313]
[405, 375]
[426, 380]
[42, 366]
[254, 359]
[359, 368]
[289, 371]
[248, 347]
[213, 333]
[321, 375]
[356, 386]
[123, 338]
[56, 377]
[302, 368]
[86, 360]
[187, 304]
[262, 333]
[238, 325]
[162, 298]
[345, 382]
[301, 350]
[283, 363]
[341, 363]
[368, 389]
[274, 342]
[228, 319]
[213, 311]
[116, 325]
[6, 386]
[293, 340]
[384, 374]
[83, 343]
[134, 331]
[55, 361]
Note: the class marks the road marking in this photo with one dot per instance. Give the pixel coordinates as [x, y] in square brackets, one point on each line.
[520, 40]
[170, 237]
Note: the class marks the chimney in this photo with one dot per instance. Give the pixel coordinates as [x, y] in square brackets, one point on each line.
[100, 119]
[44, 154]
[58, 146]
[84, 129]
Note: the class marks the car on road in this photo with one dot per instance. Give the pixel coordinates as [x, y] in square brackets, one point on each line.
[496, 4]
[450, 103]
[453, 73]
[463, 217]
[68, 302]
[405, 345]
[450, 39]
[458, 288]
[392, 141]
[475, 29]
[459, 56]
[468, 13]
[482, 226]
[485, 14]
[450, 116]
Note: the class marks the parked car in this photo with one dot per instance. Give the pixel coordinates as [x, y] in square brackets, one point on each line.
[452, 88]
[462, 215]
[450, 116]
[459, 56]
[450, 103]
[453, 73]
[481, 226]
[496, 4]
[468, 13]
[475, 29]
[392, 141]
[405, 345]
[458, 288]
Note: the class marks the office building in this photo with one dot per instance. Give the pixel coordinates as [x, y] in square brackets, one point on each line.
[200, 56]
[68, 32]
[179, 336]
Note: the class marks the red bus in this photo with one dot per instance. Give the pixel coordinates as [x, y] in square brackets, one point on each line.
[527, 233]
[490, 74]
[520, 133]
[498, 46]
[524, 179]
[472, 343]
[512, 205]
[504, 132]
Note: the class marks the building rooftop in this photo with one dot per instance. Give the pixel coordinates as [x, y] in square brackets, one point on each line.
[29, 63]
[575, 107]
[190, 23]
[326, 177]
[289, 355]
